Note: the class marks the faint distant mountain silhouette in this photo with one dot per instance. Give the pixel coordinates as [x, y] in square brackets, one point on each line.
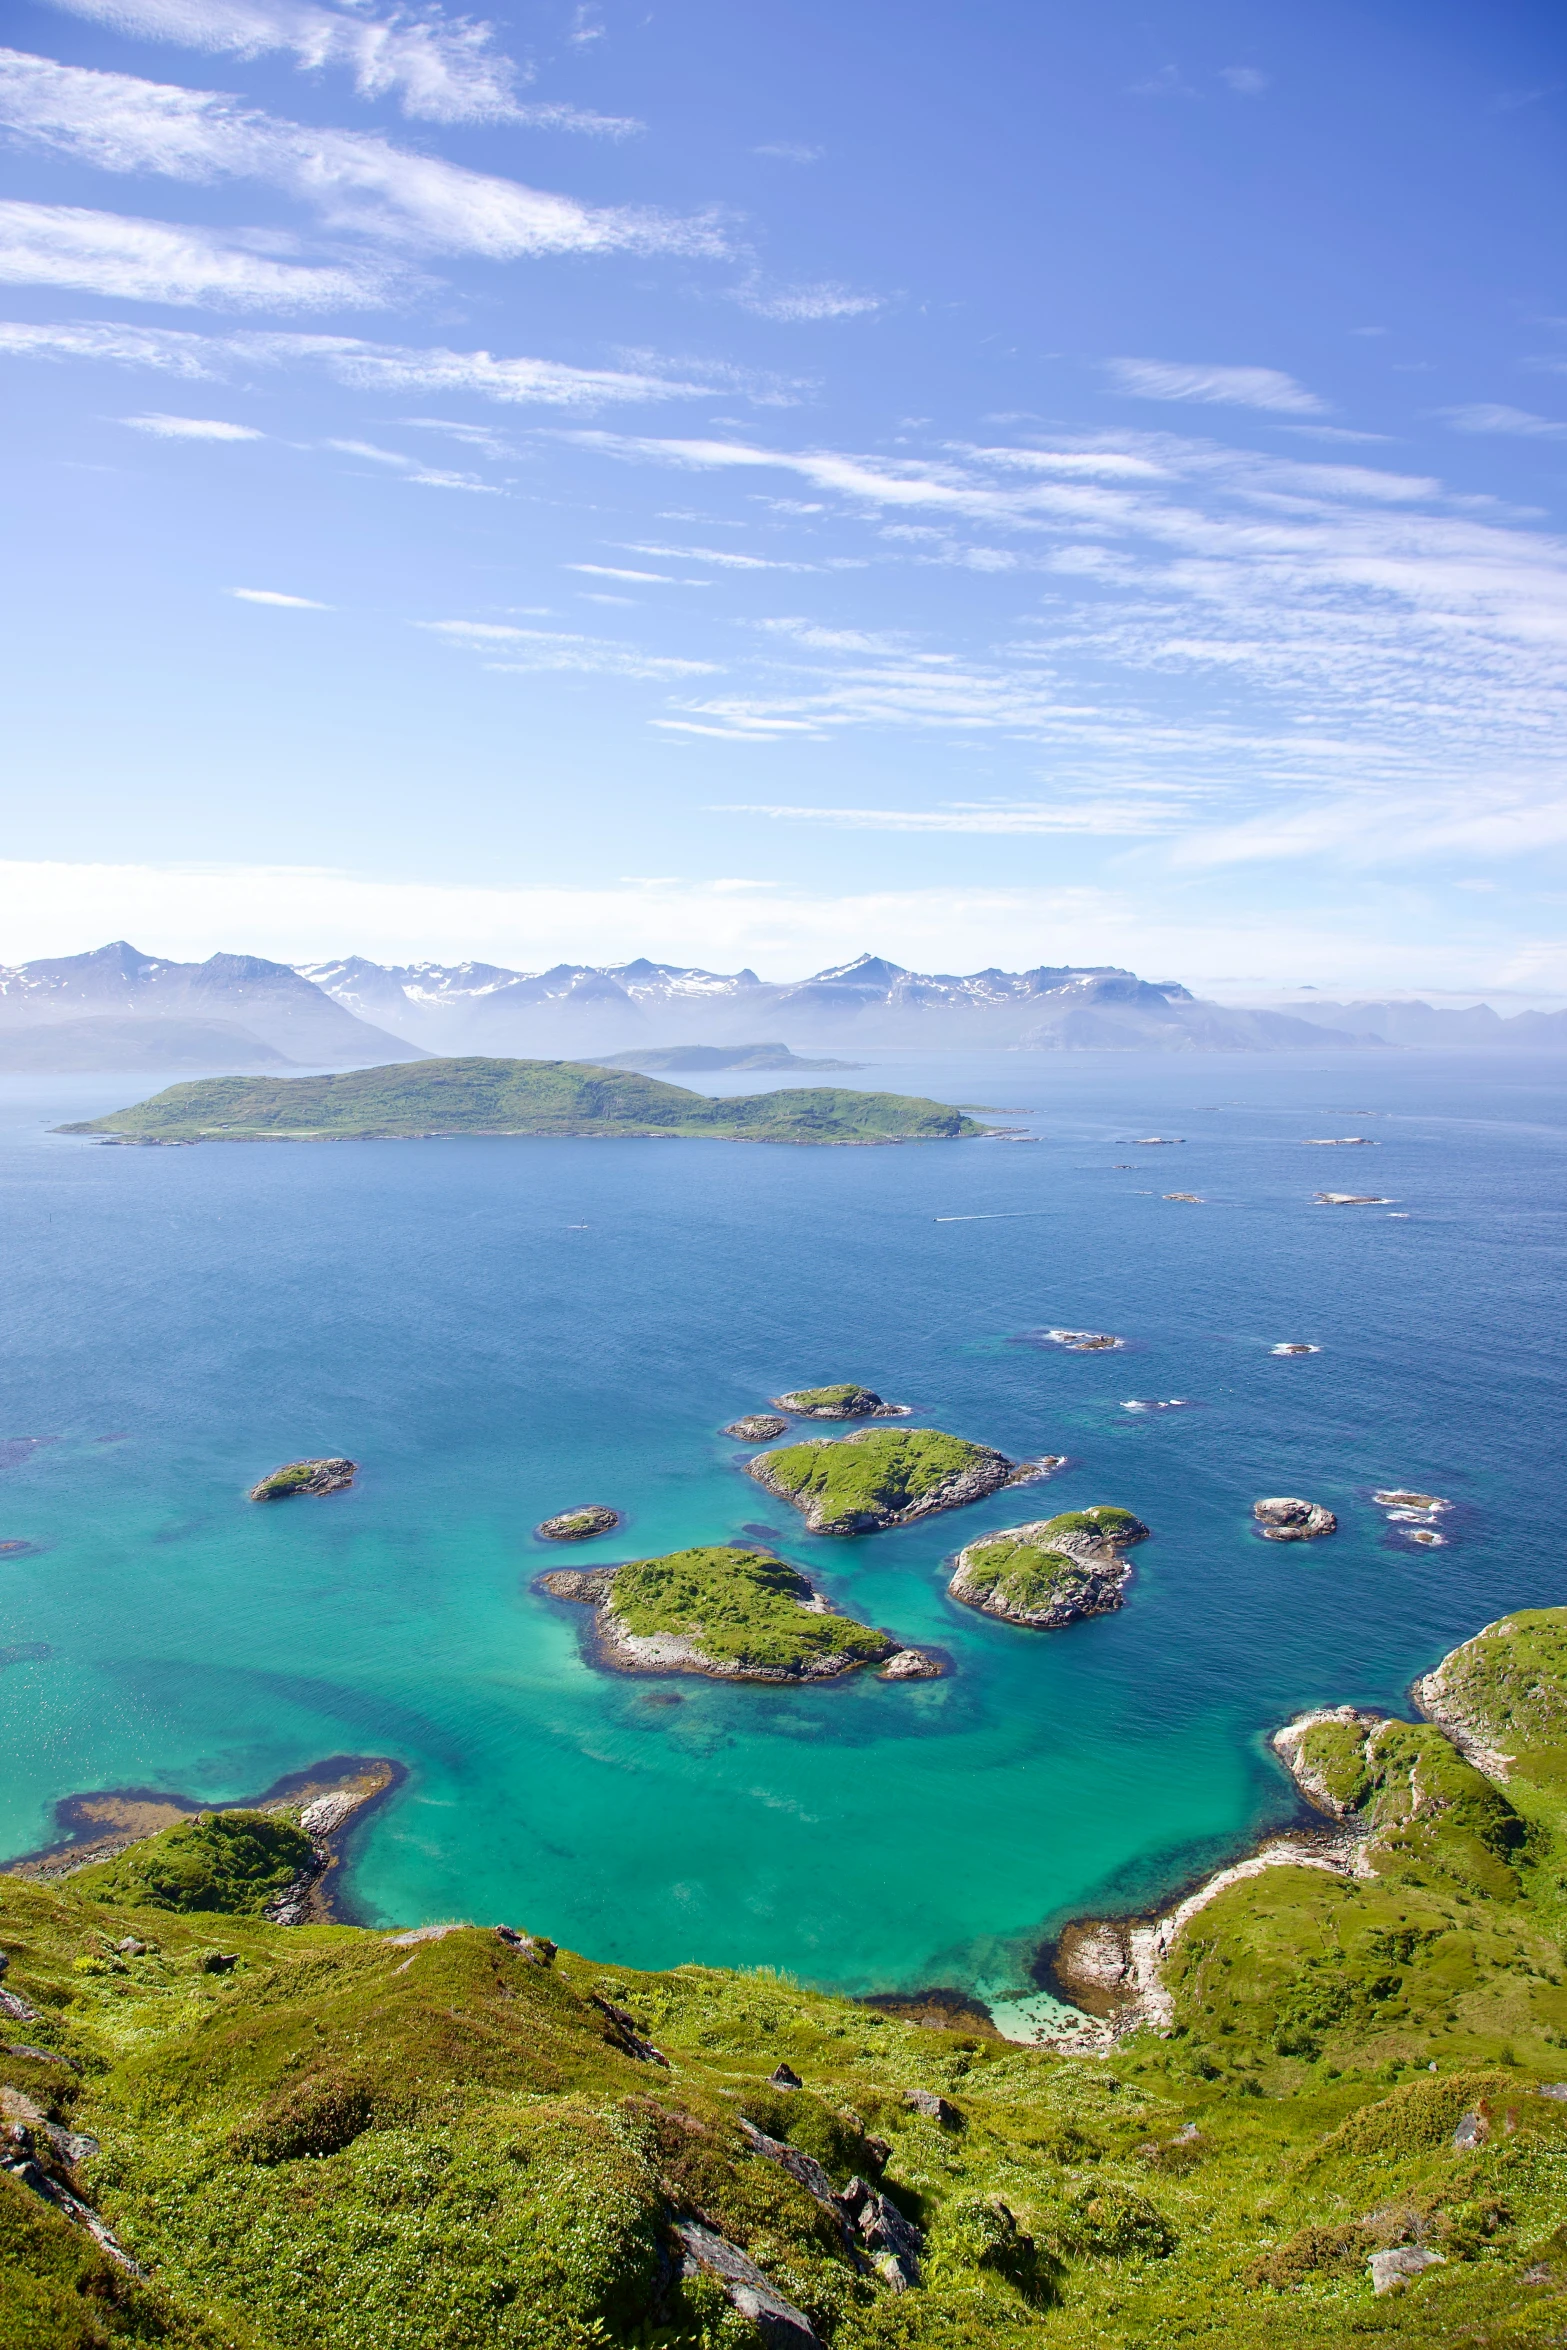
[118, 1008]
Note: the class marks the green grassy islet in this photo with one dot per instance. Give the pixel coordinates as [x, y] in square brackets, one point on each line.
[420, 1099]
[740, 1607]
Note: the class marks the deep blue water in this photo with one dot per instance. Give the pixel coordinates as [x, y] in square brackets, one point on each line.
[179, 1321]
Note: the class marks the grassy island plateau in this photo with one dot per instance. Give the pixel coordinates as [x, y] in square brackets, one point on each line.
[425, 1099]
[1052, 1572]
[845, 1401]
[1317, 2103]
[884, 1477]
[731, 1613]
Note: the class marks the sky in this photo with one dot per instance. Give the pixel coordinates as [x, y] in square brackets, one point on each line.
[999, 484]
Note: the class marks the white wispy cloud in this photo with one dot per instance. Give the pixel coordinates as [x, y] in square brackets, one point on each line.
[822, 639]
[1229, 387]
[355, 180]
[1101, 816]
[364, 366]
[643, 578]
[159, 261]
[1493, 416]
[440, 68]
[1492, 819]
[727, 557]
[473, 436]
[1245, 80]
[1362, 634]
[193, 428]
[528, 649]
[790, 151]
[275, 596]
[796, 305]
[410, 470]
[1105, 464]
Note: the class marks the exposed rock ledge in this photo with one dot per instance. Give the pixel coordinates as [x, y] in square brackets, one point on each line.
[1440, 1701]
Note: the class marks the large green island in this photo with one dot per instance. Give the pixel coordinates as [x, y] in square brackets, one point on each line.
[731, 1613]
[418, 1099]
[1324, 2102]
[884, 1477]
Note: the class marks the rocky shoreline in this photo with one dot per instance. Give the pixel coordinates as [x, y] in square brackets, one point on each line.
[615, 1645]
[1110, 1969]
[328, 1800]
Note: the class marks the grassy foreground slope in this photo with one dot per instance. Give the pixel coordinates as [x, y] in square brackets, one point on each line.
[348, 2141]
[476, 1096]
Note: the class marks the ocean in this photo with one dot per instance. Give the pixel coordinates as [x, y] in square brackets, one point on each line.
[500, 1329]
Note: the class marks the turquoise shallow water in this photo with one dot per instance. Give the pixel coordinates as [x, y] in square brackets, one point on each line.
[179, 1321]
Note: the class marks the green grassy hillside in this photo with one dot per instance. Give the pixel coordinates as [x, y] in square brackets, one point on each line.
[349, 2140]
[516, 1097]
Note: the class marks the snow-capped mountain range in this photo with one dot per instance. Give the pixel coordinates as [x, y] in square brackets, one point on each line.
[120, 1009]
[584, 1008]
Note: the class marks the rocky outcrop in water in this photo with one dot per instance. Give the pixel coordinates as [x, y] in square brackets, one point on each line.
[324, 1476]
[910, 1664]
[757, 1428]
[579, 1525]
[1286, 1518]
[840, 1403]
[1051, 1572]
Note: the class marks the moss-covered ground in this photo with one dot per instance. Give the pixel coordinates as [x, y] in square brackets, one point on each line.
[741, 1607]
[852, 1482]
[478, 1096]
[348, 2142]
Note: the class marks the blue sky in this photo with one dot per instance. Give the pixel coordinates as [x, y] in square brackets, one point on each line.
[999, 484]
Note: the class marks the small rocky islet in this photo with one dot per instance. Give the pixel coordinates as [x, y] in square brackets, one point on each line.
[1284, 1517]
[881, 1477]
[295, 1477]
[579, 1525]
[1052, 1572]
[844, 1402]
[756, 1428]
[729, 1613]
